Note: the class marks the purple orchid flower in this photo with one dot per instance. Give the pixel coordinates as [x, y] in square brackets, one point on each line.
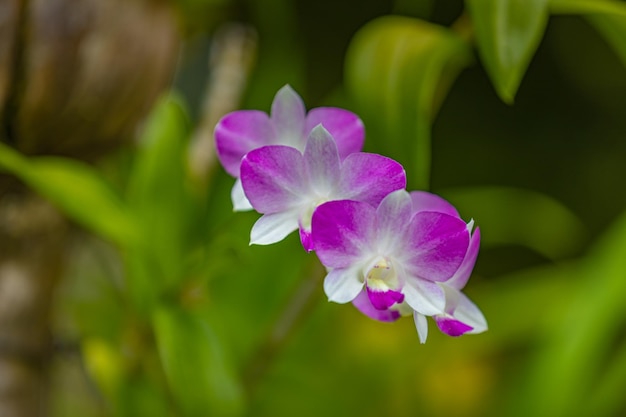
[286, 185]
[241, 131]
[411, 255]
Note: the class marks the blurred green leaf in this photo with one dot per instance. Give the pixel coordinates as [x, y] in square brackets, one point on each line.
[508, 33]
[574, 356]
[398, 70]
[422, 9]
[281, 57]
[510, 216]
[128, 391]
[200, 377]
[608, 17]
[158, 196]
[76, 189]
[608, 396]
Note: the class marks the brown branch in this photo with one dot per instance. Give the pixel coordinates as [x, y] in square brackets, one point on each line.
[31, 251]
[233, 52]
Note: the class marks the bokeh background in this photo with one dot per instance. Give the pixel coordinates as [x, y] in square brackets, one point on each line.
[203, 324]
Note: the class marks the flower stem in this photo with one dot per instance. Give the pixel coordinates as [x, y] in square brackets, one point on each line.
[293, 314]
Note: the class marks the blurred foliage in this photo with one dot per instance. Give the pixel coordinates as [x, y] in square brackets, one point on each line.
[171, 313]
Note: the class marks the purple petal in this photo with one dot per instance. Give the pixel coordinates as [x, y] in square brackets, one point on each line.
[305, 239]
[288, 116]
[382, 300]
[364, 305]
[425, 201]
[425, 297]
[272, 228]
[273, 178]
[438, 243]
[238, 197]
[370, 177]
[342, 231]
[421, 324]
[342, 285]
[451, 327]
[322, 161]
[343, 125]
[238, 133]
[460, 277]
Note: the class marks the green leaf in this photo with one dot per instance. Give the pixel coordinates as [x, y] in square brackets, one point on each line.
[574, 355]
[131, 389]
[158, 196]
[508, 33]
[514, 216]
[398, 71]
[200, 377]
[608, 17]
[78, 191]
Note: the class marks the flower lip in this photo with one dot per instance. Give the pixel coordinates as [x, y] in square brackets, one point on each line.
[452, 327]
[382, 284]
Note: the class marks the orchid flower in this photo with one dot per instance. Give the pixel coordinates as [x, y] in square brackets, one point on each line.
[241, 131]
[286, 185]
[410, 255]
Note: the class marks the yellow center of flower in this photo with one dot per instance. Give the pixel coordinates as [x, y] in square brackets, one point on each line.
[382, 275]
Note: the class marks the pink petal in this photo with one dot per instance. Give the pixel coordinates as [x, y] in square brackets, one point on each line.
[273, 178]
[370, 177]
[238, 133]
[343, 125]
[322, 161]
[341, 232]
[305, 239]
[288, 117]
[364, 305]
[437, 245]
[460, 277]
[425, 201]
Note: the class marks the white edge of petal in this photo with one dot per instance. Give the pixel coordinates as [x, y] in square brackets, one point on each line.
[468, 313]
[421, 324]
[238, 197]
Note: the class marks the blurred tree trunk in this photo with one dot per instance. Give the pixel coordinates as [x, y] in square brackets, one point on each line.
[76, 79]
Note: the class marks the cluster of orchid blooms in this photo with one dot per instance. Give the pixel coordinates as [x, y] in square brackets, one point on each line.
[388, 251]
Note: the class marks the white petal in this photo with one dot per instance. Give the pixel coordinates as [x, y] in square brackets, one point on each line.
[272, 228]
[467, 312]
[425, 297]
[238, 197]
[288, 115]
[421, 324]
[342, 285]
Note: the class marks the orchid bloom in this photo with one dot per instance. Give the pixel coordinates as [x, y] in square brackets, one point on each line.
[286, 185]
[241, 131]
[410, 255]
